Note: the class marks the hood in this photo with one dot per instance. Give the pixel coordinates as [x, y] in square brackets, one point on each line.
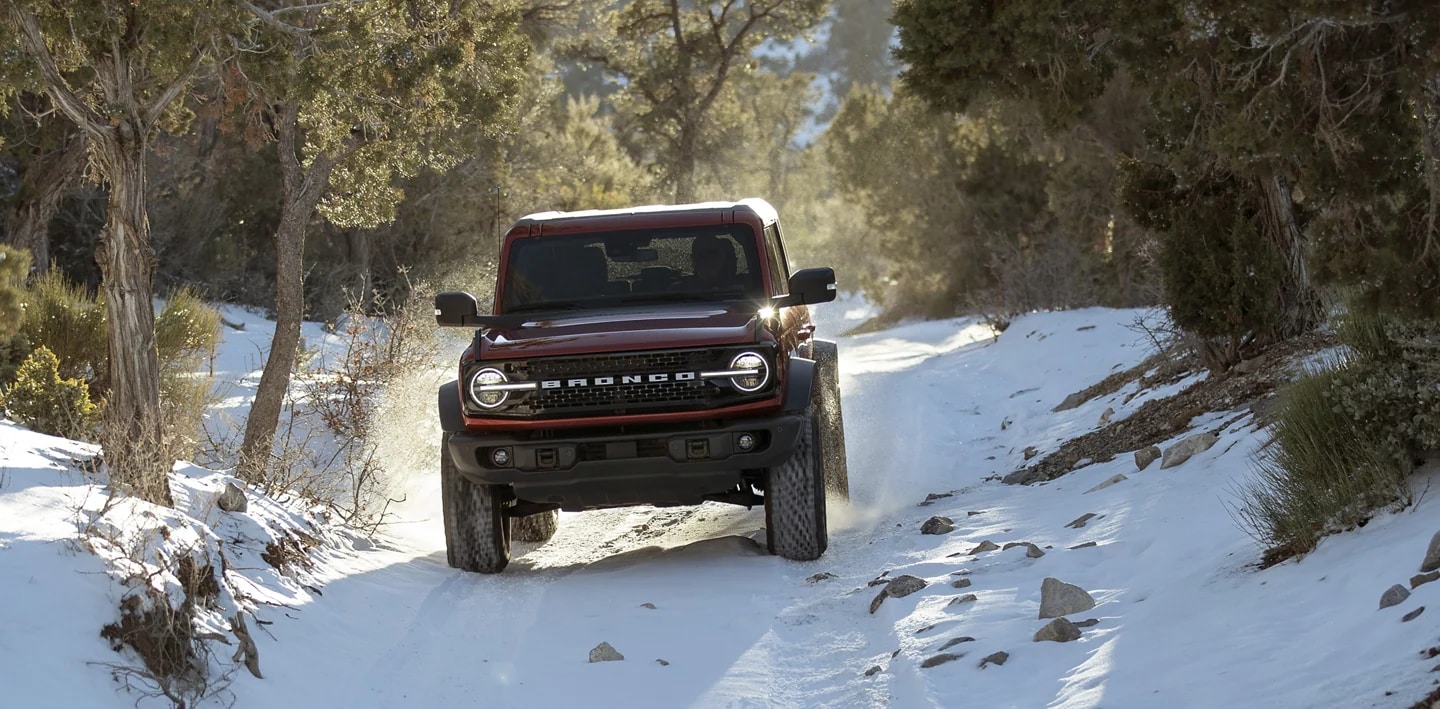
[666, 326]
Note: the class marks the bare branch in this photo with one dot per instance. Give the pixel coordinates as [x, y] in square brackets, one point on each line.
[172, 91]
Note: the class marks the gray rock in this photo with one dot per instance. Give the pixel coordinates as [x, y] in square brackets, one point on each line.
[938, 525]
[1058, 598]
[605, 653]
[1085, 545]
[874, 670]
[1070, 402]
[1011, 545]
[1248, 366]
[1059, 631]
[952, 642]
[662, 662]
[1419, 580]
[940, 659]
[995, 658]
[899, 587]
[926, 629]
[1105, 417]
[972, 513]
[1412, 615]
[1087, 623]
[1432, 556]
[938, 496]
[651, 606]
[1030, 452]
[1394, 596]
[1023, 476]
[967, 598]
[960, 583]
[1081, 520]
[1186, 449]
[1033, 551]
[232, 499]
[1116, 478]
[822, 576]
[1145, 456]
[983, 547]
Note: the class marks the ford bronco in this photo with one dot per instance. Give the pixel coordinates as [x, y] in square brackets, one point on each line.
[652, 356]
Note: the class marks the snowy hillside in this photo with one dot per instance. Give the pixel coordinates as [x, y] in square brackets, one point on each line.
[939, 410]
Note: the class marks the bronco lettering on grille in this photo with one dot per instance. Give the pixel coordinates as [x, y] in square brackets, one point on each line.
[579, 382]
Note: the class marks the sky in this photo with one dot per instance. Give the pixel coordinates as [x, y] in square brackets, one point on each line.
[1184, 616]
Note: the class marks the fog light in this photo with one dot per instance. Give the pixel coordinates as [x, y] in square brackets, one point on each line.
[500, 457]
[744, 442]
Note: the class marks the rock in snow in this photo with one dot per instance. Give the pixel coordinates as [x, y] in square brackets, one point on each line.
[1059, 631]
[605, 653]
[1432, 555]
[1145, 456]
[938, 525]
[1186, 449]
[899, 587]
[1394, 596]
[1058, 598]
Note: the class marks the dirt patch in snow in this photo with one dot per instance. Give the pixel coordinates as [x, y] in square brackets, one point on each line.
[1247, 390]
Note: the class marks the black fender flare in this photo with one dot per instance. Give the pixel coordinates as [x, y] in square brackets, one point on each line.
[451, 418]
[799, 380]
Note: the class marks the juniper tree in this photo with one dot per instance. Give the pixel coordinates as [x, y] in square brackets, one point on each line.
[675, 60]
[356, 97]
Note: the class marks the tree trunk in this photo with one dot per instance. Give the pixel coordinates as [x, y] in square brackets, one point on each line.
[685, 167]
[132, 439]
[303, 189]
[40, 197]
[1299, 303]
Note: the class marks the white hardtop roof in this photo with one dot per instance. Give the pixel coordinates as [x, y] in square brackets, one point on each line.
[761, 207]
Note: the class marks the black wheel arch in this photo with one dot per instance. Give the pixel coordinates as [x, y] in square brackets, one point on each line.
[799, 380]
[451, 418]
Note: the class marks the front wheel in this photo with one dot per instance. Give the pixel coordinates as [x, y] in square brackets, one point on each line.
[795, 500]
[477, 533]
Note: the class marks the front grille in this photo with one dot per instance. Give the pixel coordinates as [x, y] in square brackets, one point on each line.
[624, 398]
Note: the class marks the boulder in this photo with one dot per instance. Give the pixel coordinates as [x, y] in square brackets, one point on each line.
[1419, 580]
[1145, 456]
[1394, 596]
[1081, 520]
[1432, 556]
[1186, 449]
[899, 587]
[952, 642]
[960, 583]
[995, 658]
[1059, 631]
[938, 525]
[232, 499]
[983, 547]
[604, 652]
[941, 659]
[1058, 598]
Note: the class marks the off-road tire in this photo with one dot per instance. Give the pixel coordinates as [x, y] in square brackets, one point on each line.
[539, 527]
[795, 500]
[825, 402]
[477, 532]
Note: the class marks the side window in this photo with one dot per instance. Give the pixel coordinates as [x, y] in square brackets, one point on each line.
[779, 271]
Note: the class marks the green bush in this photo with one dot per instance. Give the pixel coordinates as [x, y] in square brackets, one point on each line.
[14, 267]
[1346, 440]
[186, 331]
[43, 401]
[61, 317]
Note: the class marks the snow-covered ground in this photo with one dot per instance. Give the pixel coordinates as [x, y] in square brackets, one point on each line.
[704, 619]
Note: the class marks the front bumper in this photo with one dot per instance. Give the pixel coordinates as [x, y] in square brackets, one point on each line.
[679, 464]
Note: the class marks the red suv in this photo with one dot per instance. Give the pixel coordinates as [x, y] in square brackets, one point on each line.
[651, 356]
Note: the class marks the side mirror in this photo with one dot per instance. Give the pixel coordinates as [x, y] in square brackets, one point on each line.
[809, 286]
[456, 309]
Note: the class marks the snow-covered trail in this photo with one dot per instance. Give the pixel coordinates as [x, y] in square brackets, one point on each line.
[738, 628]
[1182, 617]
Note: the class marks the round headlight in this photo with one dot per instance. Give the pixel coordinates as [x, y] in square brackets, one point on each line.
[751, 362]
[488, 399]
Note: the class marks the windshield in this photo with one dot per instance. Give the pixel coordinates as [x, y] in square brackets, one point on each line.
[709, 263]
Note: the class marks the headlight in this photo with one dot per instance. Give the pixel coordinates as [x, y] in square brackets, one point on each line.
[758, 372]
[480, 392]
